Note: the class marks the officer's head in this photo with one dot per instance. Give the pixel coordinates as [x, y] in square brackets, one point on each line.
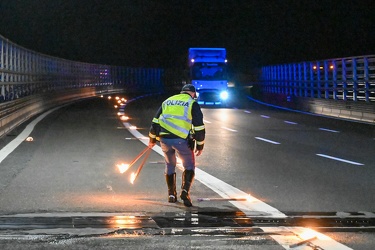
[190, 89]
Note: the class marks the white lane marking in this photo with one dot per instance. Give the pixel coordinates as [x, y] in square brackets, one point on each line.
[223, 189]
[266, 140]
[251, 207]
[323, 241]
[10, 147]
[205, 121]
[247, 111]
[329, 130]
[289, 122]
[287, 236]
[265, 116]
[229, 129]
[132, 138]
[339, 159]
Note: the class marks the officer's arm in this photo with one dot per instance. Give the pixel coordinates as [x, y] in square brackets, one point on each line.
[154, 129]
[199, 128]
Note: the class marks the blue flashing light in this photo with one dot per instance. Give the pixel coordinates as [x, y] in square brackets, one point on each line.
[224, 95]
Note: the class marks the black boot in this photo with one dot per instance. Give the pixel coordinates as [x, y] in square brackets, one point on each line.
[187, 181]
[171, 183]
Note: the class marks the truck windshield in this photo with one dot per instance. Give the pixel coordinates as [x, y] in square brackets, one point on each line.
[209, 71]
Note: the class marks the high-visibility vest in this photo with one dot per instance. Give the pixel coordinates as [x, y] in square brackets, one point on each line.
[176, 115]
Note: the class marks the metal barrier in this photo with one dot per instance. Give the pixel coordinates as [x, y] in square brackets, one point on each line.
[13, 113]
[351, 78]
[31, 82]
[24, 72]
[343, 87]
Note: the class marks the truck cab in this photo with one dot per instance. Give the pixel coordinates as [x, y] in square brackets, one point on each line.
[208, 73]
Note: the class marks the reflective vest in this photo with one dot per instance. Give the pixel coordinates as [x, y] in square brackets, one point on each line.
[176, 115]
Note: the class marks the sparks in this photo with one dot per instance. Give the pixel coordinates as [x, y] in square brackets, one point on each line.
[249, 199]
[122, 167]
[132, 177]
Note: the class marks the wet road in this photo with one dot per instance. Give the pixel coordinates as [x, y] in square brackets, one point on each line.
[277, 160]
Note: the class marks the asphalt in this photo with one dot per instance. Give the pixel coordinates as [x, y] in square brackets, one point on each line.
[79, 200]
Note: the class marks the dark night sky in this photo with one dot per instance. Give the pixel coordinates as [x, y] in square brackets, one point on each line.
[157, 33]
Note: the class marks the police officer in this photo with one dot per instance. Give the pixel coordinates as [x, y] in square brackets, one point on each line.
[179, 126]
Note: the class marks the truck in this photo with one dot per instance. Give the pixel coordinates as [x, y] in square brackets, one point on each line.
[208, 74]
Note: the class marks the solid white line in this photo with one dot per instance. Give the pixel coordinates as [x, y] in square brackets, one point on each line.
[329, 130]
[254, 207]
[251, 207]
[10, 147]
[339, 159]
[287, 236]
[266, 140]
[229, 129]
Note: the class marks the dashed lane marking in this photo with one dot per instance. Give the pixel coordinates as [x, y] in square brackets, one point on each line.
[339, 159]
[292, 123]
[229, 129]
[253, 207]
[329, 130]
[266, 140]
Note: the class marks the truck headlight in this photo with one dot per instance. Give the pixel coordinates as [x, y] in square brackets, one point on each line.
[223, 95]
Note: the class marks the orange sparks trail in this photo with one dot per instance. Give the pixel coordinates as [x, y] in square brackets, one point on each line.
[135, 175]
[124, 167]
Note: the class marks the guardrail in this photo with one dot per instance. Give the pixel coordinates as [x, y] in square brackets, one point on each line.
[351, 78]
[343, 87]
[24, 72]
[13, 113]
[30, 82]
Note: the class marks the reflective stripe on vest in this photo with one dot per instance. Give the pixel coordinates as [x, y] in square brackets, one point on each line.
[176, 115]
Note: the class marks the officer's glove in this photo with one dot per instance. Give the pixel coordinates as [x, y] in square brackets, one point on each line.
[191, 141]
[191, 144]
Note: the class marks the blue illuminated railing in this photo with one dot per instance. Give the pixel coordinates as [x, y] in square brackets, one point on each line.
[351, 78]
[24, 72]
